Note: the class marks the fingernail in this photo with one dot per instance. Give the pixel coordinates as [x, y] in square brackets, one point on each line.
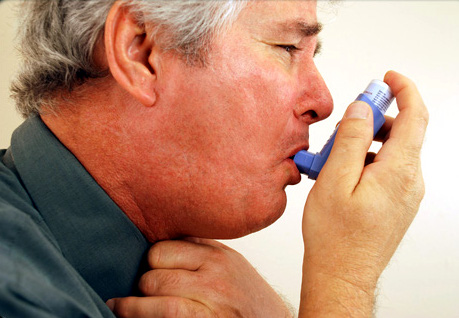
[110, 304]
[358, 110]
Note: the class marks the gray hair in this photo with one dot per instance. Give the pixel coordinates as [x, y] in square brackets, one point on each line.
[58, 39]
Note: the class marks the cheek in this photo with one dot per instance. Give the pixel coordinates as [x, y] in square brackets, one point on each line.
[264, 98]
[225, 127]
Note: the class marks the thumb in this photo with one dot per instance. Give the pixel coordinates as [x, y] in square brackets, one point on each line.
[353, 139]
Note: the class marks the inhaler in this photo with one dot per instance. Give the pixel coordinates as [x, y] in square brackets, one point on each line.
[379, 96]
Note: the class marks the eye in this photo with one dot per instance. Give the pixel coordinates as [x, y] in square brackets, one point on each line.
[288, 48]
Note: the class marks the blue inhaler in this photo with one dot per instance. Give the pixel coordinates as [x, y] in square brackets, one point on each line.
[379, 96]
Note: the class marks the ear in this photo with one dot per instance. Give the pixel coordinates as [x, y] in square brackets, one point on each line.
[128, 49]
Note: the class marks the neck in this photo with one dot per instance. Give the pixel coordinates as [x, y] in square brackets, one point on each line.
[97, 132]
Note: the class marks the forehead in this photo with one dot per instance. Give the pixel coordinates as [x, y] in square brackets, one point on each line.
[272, 13]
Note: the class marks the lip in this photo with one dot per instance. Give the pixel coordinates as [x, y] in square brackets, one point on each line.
[295, 176]
[297, 149]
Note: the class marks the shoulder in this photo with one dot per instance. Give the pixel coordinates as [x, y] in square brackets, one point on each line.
[17, 212]
[35, 278]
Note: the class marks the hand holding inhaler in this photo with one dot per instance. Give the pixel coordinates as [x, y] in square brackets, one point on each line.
[356, 214]
[379, 96]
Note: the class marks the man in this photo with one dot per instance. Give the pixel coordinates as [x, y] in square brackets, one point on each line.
[151, 121]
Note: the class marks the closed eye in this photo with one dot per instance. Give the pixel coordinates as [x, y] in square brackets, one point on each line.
[288, 48]
[293, 49]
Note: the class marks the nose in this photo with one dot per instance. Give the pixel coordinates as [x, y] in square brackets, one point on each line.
[315, 102]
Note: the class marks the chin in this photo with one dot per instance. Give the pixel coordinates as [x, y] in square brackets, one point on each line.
[250, 221]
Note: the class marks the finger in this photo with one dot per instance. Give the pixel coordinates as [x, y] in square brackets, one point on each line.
[157, 307]
[171, 282]
[408, 128]
[384, 132]
[369, 158]
[179, 255]
[352, 141]
[209, 242]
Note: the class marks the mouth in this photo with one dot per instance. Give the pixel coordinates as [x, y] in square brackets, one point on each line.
[295, 176]
[297, 149]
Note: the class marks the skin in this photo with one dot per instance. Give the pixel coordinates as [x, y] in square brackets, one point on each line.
[201, 151]
[209, 147]
[348, 239]
[340, 273]
[197, 278]
[165, 139]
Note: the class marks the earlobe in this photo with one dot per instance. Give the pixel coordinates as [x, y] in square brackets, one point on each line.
[128, 49]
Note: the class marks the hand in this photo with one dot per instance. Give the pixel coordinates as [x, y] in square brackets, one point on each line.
[200, 278]
[357, 214]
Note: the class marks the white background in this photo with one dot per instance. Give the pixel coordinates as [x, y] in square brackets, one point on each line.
[362, 40]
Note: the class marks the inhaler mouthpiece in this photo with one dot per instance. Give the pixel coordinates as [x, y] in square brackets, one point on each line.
[379, 96]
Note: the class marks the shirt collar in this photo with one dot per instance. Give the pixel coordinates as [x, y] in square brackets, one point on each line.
[94, 235]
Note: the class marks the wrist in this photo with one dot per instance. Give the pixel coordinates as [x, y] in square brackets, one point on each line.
[359, 265]
[336, 293]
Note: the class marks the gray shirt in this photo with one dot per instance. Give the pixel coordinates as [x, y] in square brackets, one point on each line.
[65, 246]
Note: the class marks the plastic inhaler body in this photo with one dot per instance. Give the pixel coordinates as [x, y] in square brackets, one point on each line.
[379, 96]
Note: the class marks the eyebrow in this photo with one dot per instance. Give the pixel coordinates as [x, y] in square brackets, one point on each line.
[303, 29]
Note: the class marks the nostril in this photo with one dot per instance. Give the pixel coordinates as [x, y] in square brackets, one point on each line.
[310, 115]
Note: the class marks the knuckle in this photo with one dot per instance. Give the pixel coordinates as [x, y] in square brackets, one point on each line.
[167, 278]
[410, 83]
[411, 154]
[409, 174]
[174, 308]
[123, 307]
[219, 256]
[154, 255]
[171, 308]
[353, 136]
[424, 117]
[411, 184]
[409, 170]
[199, 311]
[147, 283]
[421, 191]
[354, 131]
[407, 82]
[420, 118]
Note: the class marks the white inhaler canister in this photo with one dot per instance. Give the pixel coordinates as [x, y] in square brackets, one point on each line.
[379, 96]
